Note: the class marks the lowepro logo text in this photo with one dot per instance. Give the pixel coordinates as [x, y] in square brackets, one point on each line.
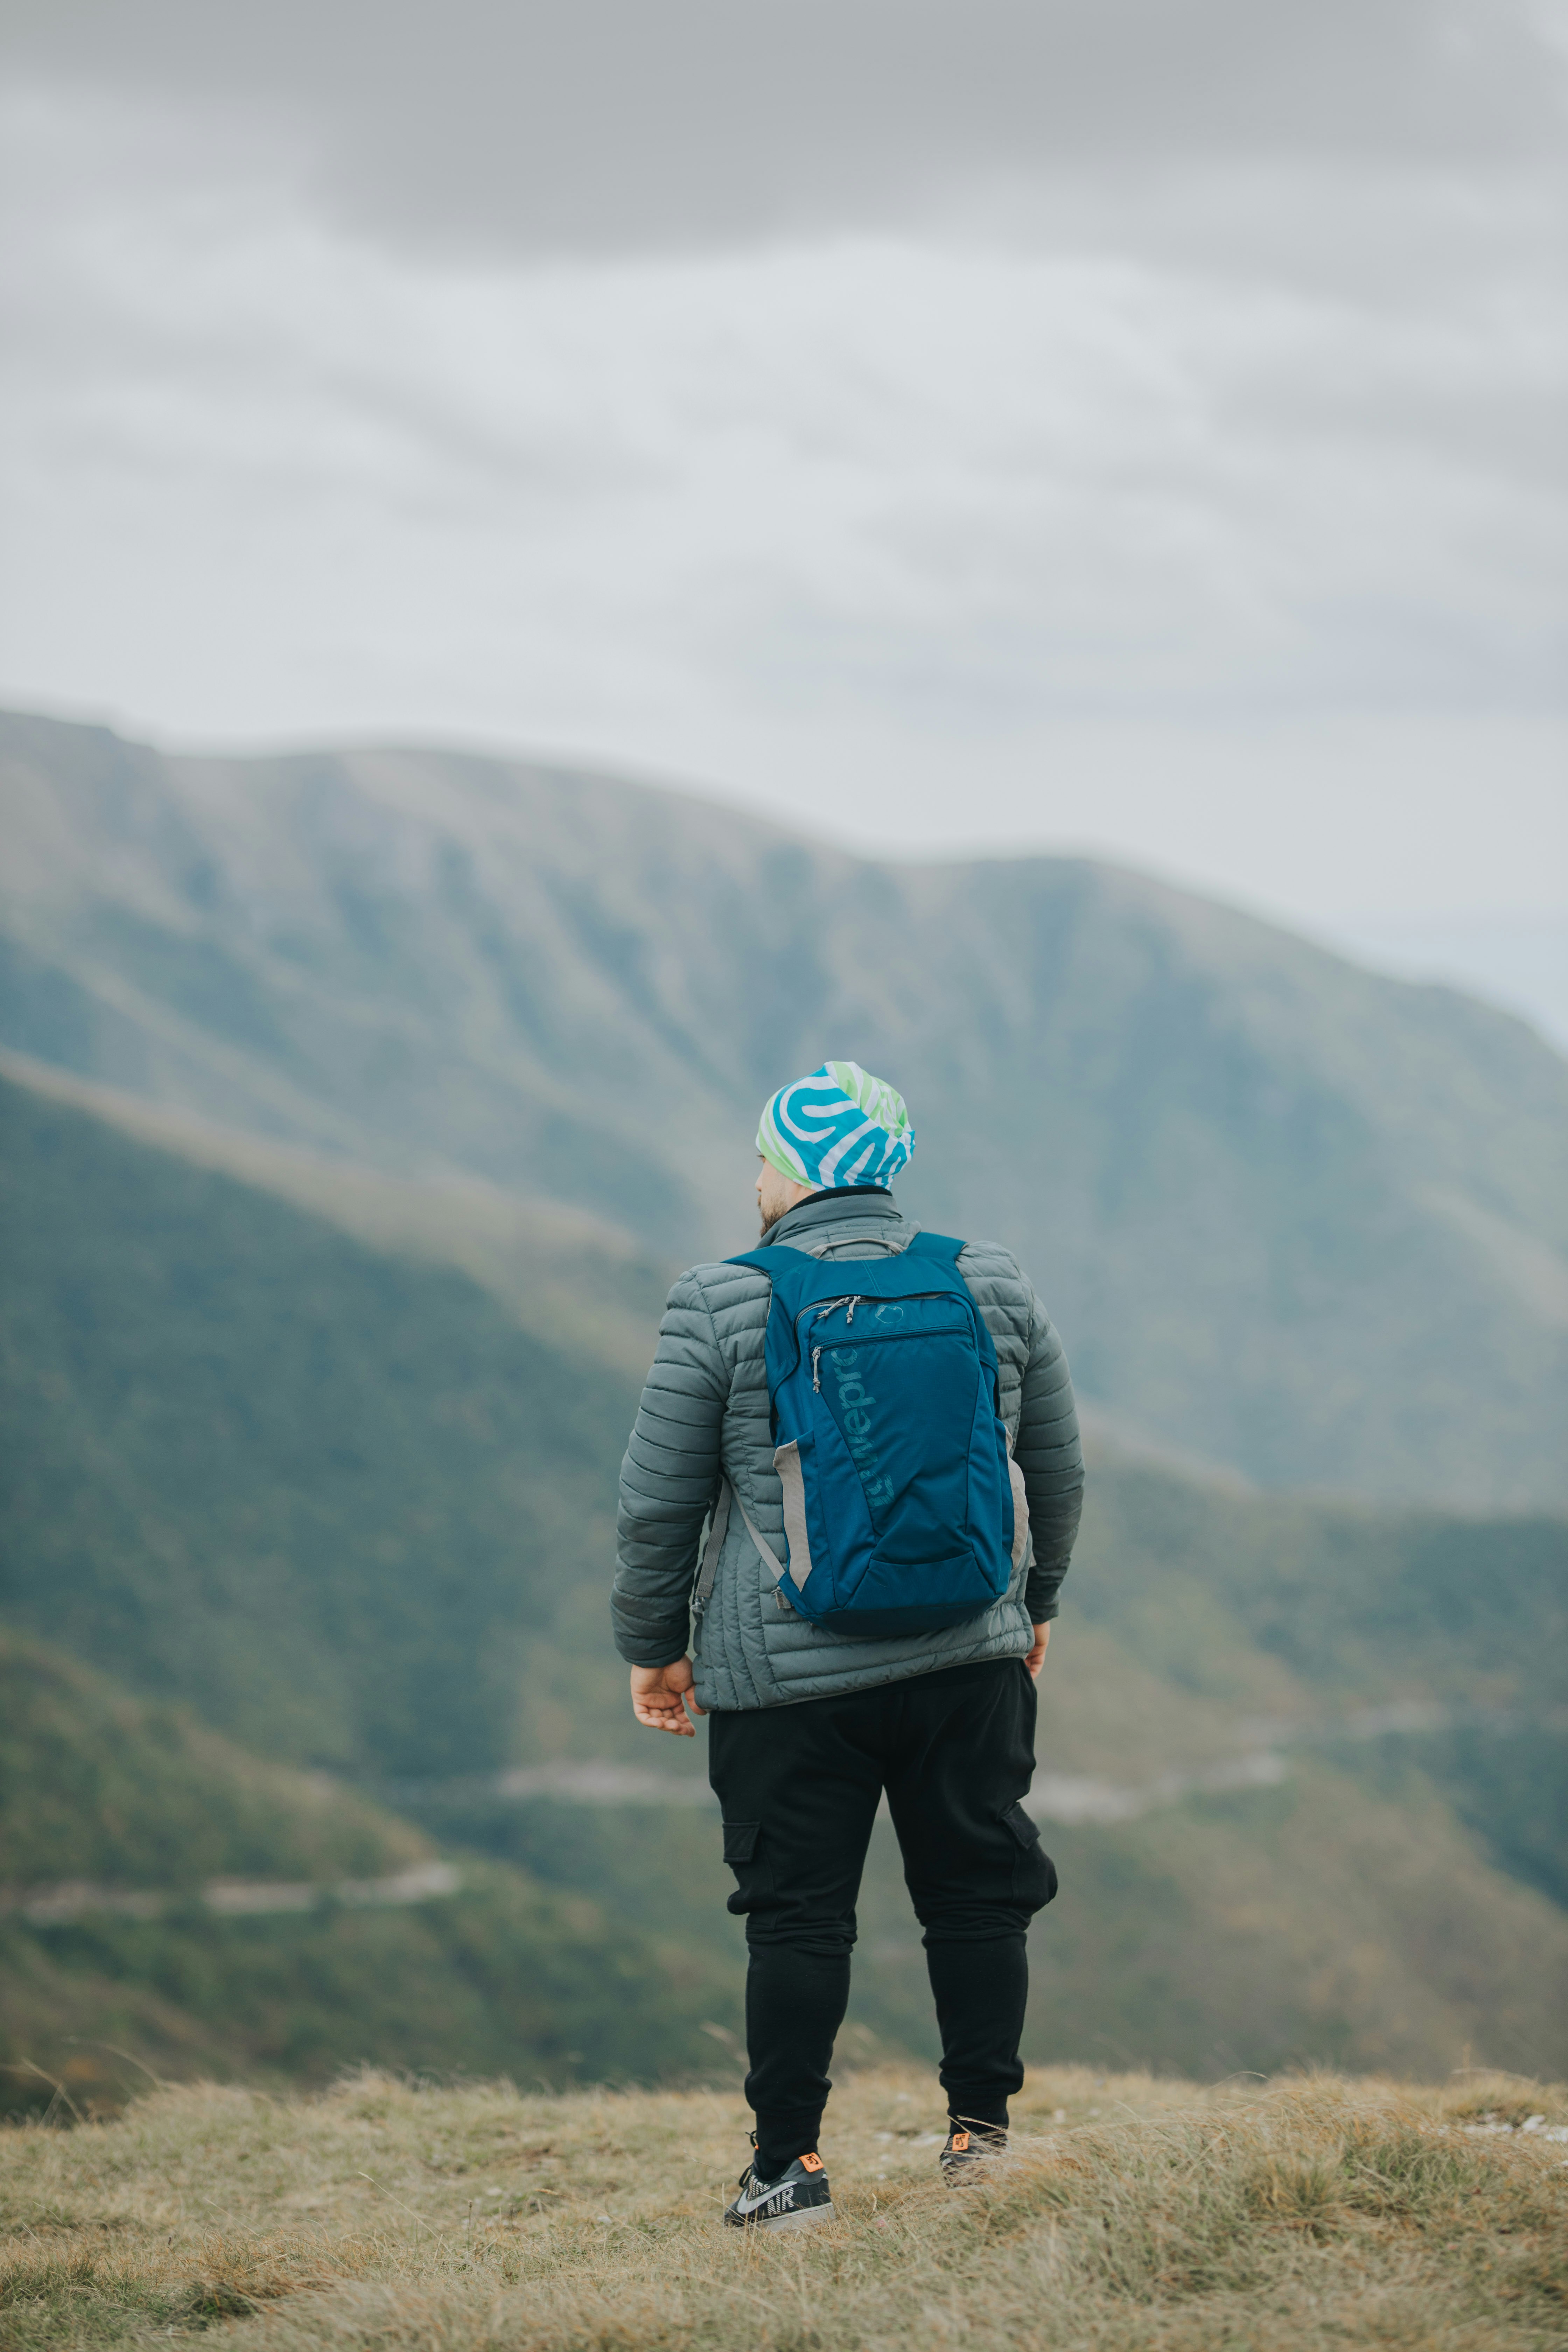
[855, 1408]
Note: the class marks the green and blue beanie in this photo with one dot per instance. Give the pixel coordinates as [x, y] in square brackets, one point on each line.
[837, 1129]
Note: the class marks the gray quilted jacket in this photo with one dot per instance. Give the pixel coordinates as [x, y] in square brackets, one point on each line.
[705, 1409]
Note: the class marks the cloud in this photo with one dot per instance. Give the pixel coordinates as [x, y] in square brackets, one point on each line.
[977, 489]
[612, 125]
[1109, 406]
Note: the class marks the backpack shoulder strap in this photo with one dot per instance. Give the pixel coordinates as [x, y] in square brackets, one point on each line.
[718, 1528]
[792, 1272]
[767, 1260]
[942, 1247]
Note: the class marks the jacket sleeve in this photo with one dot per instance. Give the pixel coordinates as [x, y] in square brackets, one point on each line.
[1048, 1453]
[669, 1479]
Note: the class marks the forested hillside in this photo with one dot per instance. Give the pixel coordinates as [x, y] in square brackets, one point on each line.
[325, 1495]
[1290, 1216]
[1297, 1758]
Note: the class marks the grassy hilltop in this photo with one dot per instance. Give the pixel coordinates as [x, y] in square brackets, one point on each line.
[1133, 2215]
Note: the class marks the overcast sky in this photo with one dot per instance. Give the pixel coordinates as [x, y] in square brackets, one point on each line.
[1136, 423]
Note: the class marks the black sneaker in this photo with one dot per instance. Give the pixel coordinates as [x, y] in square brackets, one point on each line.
[964, 2158]
[796, 2199]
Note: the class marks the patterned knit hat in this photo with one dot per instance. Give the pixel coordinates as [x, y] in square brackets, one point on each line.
[837, 1129]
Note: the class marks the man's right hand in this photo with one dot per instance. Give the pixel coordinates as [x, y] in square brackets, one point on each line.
[1037, 1657]
[661, 1695]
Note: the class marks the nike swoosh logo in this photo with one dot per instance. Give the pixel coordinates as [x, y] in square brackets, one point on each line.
[772, 2200]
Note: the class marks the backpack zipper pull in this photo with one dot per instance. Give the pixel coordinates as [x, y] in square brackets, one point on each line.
[854, 1303]
[817, 1370]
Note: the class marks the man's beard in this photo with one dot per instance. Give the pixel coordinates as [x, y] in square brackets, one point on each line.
[771, 1216]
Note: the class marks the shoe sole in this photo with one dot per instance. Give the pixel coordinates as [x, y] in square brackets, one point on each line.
[806, 2218]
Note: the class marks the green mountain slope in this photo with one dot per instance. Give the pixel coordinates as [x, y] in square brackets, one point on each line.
[100, 1787]
[1290, 1215]
[156, 1900]
[325, 1495]
[1201, 1583]
[568, 1277]
[341, 1502]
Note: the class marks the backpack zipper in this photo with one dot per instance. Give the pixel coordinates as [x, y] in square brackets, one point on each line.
[831, 1306]
[819, 1308]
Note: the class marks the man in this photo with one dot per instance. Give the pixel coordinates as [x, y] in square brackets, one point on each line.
[809, 1724]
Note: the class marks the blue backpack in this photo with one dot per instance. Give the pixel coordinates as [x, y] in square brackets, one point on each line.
[903, 1509]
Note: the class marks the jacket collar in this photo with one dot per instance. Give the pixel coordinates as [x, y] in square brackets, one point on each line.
[857, 1201]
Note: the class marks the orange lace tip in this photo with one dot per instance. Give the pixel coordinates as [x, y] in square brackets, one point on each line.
[811, 2163]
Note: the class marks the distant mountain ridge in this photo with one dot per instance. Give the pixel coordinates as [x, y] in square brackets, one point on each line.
[1290, 1215]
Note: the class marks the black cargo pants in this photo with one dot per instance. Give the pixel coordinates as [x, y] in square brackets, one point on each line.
[799, 1787]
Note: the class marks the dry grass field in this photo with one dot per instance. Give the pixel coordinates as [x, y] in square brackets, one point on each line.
[1133, 2213]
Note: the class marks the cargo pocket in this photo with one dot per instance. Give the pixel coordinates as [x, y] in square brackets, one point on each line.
[753, 1879]
[1034, 1872]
